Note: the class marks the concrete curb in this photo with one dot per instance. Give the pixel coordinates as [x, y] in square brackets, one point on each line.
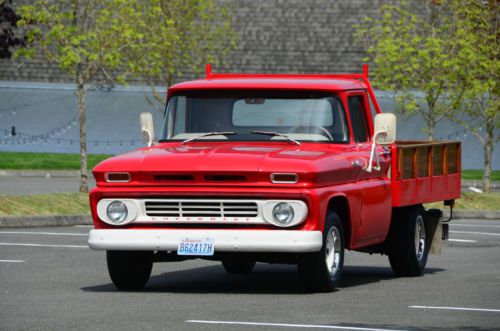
[468, 214]
[43, 221]
[70, 220]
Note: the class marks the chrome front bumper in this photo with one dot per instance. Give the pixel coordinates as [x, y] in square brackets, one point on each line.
[285, 241]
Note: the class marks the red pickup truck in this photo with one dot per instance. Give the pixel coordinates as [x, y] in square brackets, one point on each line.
[272, 168]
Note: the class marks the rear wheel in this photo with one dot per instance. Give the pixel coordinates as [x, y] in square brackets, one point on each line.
[408, 249]
[129, 270]
[235, 265]
[321, 271]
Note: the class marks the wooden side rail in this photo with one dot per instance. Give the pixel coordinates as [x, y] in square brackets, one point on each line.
[417, 159]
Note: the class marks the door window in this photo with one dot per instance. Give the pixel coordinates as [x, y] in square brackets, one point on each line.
[358, 119]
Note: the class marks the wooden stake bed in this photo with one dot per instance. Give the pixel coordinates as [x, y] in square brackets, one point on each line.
[425, 171]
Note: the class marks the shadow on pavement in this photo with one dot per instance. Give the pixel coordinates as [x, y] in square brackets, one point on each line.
[265, 279]
[362, 275]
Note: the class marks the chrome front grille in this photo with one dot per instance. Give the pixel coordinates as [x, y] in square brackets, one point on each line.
[192, 208]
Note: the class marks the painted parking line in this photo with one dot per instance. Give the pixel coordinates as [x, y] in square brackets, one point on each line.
[479, 233]
[83, 226]
[287, 325]
[476, 225]
[43, 245]
[463, 240]
[46, 233]
[12, 261]
[457, 308]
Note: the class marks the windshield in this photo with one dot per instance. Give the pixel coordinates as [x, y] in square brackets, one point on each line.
[255, 116]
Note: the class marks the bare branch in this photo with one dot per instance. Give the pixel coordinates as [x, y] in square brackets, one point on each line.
[479, 137]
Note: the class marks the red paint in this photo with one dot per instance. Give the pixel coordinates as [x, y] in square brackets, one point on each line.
[325, 170]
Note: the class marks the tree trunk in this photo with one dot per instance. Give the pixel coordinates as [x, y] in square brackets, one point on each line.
[431, 124]
[84, 177]
[488, 152]
[430, 133]
[429, 117]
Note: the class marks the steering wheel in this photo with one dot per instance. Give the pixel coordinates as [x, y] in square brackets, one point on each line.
[307, 129]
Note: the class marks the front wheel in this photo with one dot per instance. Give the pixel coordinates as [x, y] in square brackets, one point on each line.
[129, 270]
[321, 271]
[408, 246]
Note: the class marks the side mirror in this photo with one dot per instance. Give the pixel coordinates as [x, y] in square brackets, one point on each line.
[385, 134]
[147, 129]
[385, 128]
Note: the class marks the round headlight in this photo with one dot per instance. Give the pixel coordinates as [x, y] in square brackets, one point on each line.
[117, 211]
[283, 213]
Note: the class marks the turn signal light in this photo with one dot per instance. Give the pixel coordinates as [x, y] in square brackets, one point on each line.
[117, 177]
[284, 178]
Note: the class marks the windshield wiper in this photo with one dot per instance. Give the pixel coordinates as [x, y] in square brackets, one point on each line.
[277, 134]
[207, 135]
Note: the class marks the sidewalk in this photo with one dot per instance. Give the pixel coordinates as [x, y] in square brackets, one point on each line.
[41, 173]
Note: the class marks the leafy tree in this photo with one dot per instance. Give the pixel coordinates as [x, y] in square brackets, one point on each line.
[8, 24]
[414, 54]
[177, 37]
[477, 36]
[84, 38]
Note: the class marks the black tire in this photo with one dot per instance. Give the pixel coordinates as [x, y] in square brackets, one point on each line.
[321, 271]
[129, 270]
[407, 252]
[238, 265]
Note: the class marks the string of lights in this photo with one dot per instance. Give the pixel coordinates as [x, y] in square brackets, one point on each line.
[457, 135]
[25, 139]
[13, 109]
[13, 137]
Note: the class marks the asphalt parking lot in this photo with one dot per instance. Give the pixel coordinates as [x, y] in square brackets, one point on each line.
[51, 280]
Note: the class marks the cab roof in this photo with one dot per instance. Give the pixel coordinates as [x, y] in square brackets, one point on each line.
[303, 82]
[279, 82]
[316, 82]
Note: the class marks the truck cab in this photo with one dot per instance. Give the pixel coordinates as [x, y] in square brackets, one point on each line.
[271, 168]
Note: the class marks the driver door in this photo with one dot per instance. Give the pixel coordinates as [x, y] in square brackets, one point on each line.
[375, 186]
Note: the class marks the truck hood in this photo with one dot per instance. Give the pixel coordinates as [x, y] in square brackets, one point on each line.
[231, 162]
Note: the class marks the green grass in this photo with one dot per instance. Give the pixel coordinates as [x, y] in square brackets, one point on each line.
[475, 174]
[45, 204]
[473, 201]
[46, 161]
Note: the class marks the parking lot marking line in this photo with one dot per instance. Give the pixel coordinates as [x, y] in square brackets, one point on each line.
[457, 308]
[480, 233]
[83, 226]
[45, 233]
[477, 225]
[43, 245]
[286, 325]
[463, 240]
[12, 261]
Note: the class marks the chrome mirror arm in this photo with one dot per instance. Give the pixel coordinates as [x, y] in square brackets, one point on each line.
[372, 153]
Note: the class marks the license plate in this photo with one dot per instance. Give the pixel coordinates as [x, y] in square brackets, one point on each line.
[196, 246]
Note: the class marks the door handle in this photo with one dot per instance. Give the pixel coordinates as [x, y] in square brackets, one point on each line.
[356, 163]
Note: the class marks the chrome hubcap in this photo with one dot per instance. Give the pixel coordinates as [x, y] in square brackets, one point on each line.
[332, 247]
[420, 238]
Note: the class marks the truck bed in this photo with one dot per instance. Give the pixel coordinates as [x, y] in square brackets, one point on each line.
[424, 171]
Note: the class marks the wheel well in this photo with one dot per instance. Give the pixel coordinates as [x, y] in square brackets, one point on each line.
[340, 206]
